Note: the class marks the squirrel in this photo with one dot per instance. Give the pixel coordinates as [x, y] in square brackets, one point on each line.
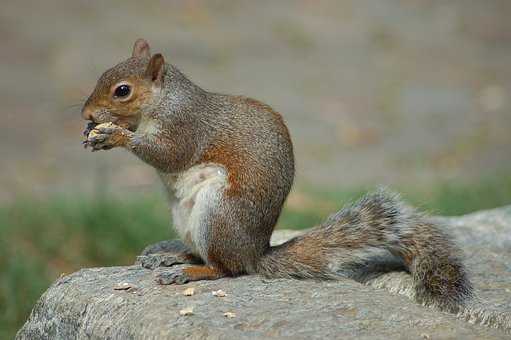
[227, 165]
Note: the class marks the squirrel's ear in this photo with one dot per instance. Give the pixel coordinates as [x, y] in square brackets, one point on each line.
[141, 49]
[155, 68]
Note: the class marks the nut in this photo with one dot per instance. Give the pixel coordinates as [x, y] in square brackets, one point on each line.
[95, 131]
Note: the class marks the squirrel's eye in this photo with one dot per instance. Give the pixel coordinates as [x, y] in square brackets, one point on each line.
[122, 91]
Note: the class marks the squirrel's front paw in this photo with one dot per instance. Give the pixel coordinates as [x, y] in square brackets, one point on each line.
[106, 136]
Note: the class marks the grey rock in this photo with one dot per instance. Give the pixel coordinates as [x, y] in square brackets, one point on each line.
[85, 305]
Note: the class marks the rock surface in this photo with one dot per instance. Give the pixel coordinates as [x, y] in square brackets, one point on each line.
[94, 303]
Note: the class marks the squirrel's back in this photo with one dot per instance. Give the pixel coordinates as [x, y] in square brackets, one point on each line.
[252, 142]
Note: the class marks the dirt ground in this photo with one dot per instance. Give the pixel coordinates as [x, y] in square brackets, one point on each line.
[394, 92]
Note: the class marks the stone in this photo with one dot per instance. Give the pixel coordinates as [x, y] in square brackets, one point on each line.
[86, 304]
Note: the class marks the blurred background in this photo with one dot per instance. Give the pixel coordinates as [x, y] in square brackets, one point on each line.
[412, 94]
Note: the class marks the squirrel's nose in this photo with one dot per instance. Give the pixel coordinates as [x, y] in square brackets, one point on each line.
[88, 113]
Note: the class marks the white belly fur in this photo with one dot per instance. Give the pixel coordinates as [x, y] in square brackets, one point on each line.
[193, 195]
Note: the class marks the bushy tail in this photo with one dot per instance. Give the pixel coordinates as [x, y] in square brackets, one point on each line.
[377, 234]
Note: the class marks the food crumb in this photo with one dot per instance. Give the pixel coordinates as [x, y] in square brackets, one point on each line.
[219, 293]
[230, 315]
[189, 291]
[186, 311]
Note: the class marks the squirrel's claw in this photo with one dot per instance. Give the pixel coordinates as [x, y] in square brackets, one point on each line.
[90, 126]
[97, 139]
[96, 142]
[106, 136]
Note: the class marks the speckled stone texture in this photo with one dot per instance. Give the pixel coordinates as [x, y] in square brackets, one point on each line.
[85, 305]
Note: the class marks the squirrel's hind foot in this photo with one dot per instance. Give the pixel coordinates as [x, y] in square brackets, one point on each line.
[183, 274]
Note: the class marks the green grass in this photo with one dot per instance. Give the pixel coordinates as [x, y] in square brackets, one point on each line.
[41, 239]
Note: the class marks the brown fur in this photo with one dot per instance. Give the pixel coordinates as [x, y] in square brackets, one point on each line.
[196, 273]
[232, 160]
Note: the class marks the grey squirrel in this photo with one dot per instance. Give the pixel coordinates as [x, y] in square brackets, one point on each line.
[227, 164]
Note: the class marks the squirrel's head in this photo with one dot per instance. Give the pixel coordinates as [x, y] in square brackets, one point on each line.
[124, 92]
